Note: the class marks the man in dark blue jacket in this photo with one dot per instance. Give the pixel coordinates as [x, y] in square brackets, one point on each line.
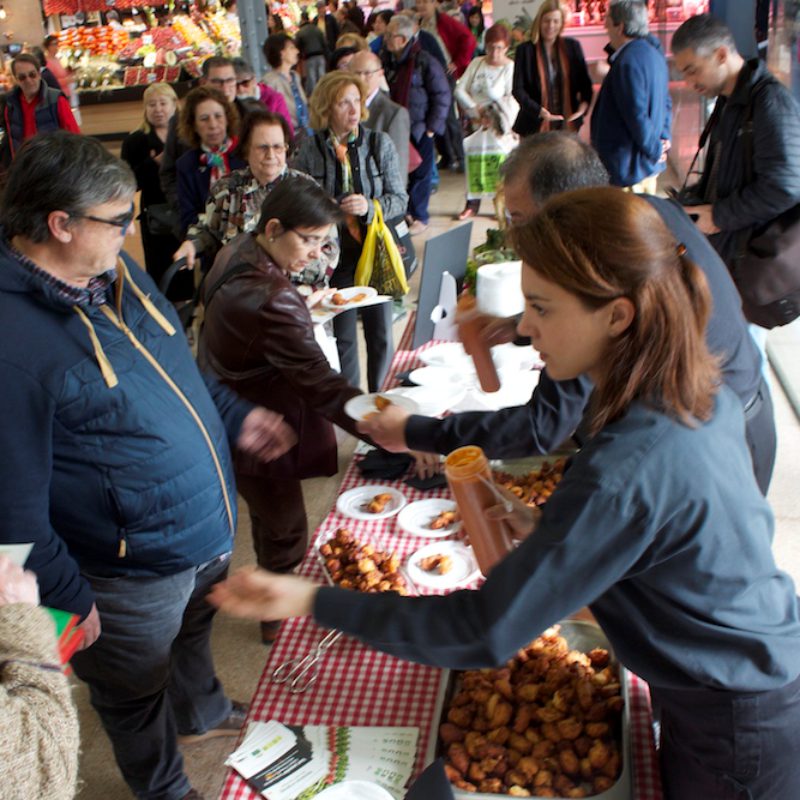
[633, 113]
[418, 82]
[117, 464]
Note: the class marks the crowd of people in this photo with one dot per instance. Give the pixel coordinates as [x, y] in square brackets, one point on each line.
[125, 453]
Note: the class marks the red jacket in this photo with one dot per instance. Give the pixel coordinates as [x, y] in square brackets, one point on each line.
[458, 40]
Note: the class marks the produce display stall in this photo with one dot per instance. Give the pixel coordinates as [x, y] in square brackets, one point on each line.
[360, 686]
[115, 62]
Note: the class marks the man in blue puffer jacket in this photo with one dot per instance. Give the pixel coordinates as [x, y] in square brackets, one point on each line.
[632, 118]
[116, 462]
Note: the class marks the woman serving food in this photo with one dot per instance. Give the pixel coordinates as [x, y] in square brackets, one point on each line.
[671, 552]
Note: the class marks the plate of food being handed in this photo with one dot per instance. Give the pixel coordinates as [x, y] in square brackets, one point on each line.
[351, 297]
[370, 502]
[443, 565]
[364, 406]
[434, 518]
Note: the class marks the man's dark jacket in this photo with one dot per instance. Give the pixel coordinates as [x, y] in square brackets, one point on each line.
[739, 205]
[429, 97]
[633, 113]
[116, 459]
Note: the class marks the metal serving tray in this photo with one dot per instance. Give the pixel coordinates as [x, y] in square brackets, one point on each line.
[580, 635]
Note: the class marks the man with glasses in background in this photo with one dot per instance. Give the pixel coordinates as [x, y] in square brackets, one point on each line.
[32, 107]
[117, 457]
[384, 114]
[249, 88]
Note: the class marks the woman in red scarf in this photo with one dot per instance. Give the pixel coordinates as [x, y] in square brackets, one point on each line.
[209, 123]
[551, 82]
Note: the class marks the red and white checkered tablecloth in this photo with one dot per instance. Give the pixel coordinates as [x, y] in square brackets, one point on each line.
[360, 686]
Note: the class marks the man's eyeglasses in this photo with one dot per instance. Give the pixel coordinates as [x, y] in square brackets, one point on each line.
[27, 76]
[277, 149]
[364, 73]
[222, 81]
[242, 82]
[123, 221]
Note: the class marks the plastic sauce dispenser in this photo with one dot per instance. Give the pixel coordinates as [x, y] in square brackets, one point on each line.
[470, 335]
[466, 470]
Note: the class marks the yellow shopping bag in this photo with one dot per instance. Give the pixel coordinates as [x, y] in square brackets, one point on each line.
[381, 265]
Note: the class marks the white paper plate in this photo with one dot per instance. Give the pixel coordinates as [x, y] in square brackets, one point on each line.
[512, 356]
[351, 502]
[354, 790]
[441, 377]
[432, 400]
[349, 293]
[359, 407]
[416, 518]
[446, 354]
[464, 569]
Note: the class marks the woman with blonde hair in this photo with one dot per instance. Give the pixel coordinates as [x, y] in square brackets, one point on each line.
[551, 81]
[356, 166]
[143, 149]
[658, 523]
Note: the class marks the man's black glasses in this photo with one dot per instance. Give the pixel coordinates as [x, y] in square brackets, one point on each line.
[123, 221]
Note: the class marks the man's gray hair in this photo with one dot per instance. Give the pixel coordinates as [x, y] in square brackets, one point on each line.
[403, 26]
[554, 162]
[632, 14]
[703, 34]
[60, 171]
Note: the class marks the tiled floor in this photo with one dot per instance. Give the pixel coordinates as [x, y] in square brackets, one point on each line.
[240, 657]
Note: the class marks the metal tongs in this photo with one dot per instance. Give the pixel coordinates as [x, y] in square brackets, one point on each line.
[301, 672]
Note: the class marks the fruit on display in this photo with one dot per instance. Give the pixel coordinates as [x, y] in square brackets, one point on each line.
[102, 40]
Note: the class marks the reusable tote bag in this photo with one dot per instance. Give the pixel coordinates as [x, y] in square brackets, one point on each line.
[380, 265]
[484, 152]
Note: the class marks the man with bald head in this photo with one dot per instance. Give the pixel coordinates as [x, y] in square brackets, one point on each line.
[384, 114]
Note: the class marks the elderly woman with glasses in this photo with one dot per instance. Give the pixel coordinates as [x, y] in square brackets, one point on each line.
[258, 338]
[356, 166]
[234, 202]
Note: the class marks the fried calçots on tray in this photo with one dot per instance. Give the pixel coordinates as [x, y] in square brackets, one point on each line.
[546, 725]
[357, 565]
[536, 487]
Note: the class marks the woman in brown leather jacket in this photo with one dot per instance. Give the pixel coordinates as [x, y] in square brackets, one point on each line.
[258, 338]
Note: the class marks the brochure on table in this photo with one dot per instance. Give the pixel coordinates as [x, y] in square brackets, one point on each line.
[296, 762]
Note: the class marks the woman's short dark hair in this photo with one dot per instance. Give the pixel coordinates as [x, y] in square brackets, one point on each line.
[274, 45]
[299, 203]
[603, 244]
[338, 54]
[386, 15]
[186, 122]
[60, 171]
[255, 118]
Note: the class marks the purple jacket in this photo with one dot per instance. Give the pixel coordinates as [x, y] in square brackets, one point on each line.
[274, 102]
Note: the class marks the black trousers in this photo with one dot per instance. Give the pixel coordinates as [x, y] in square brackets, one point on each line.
[718, 745]
[278, 519]
[377, 322]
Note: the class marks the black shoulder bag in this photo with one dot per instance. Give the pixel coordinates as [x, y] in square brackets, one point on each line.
[766, 269]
